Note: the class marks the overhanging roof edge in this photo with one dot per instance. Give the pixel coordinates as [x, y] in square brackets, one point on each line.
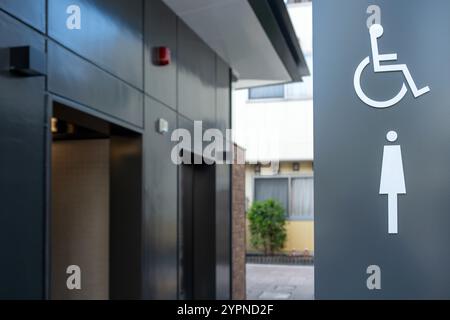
[274, 18]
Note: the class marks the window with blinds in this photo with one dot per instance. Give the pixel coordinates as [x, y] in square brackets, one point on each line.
[273, 188]
[295, 194]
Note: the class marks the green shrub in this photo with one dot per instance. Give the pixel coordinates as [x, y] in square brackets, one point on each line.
[267, 226]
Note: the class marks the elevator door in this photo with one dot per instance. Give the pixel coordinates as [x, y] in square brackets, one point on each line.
[80, 217]
[96, 215]
[197, 232]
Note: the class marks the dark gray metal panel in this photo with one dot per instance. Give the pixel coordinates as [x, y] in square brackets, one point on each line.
[126, 272]
[82, 82]
[160, 216]
[160, 31]
[22, 163]
[196, 77]
[274, 18]
[29, 11]
[187, 124]
[351, 217]
[185, 233]
[223, 186]
[110, 35]
[223, 103]
[197, 235]
[204, 233]
[223, 232]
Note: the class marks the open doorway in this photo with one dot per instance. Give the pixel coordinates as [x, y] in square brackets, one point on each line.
[96, 205]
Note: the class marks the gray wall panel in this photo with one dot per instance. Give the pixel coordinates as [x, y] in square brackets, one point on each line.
[196, 77]
[223, 187]
[110, 34]
[80, 81]
[160, 31]
[22, 164]
[223, 232]
[126, 216]
[223, 103]
[29, 11]
[160, 216]
[186, 124]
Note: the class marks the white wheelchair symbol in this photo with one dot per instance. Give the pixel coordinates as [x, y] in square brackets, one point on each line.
[376, 31]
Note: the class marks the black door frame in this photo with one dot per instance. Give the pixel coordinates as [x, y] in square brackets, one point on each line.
[126, 158]
[191, 172]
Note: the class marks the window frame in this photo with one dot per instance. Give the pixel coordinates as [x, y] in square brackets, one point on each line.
[289, 177]
[285, 96]
[249, 98]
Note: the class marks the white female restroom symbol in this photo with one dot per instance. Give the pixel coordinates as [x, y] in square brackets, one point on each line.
[392, 179]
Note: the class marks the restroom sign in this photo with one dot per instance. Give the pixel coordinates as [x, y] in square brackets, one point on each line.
[382, 149]
[392, 175]
[383, 63]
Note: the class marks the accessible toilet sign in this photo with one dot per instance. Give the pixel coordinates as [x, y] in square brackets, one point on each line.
[382, 149]
[376, 32]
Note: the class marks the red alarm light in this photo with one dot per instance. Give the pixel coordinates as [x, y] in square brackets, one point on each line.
[162, 56]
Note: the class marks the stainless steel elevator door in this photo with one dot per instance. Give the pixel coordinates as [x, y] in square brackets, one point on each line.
[80, 217]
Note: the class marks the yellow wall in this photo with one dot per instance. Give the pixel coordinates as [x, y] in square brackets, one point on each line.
[300, 236]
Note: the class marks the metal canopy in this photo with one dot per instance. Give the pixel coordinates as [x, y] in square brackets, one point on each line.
[255, 37]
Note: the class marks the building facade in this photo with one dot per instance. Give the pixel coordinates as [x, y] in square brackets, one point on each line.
[92, 205]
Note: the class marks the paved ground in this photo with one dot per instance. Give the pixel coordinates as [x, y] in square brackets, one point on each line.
[272, 282]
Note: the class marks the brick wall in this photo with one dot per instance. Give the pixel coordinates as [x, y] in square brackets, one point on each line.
[238, 225]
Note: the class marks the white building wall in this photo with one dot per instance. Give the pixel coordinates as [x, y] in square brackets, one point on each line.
[278, 129]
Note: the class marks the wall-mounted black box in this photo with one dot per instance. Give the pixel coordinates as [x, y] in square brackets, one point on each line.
[24, 61]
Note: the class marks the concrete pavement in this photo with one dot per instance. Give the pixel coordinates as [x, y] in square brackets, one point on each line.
[279, 282]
